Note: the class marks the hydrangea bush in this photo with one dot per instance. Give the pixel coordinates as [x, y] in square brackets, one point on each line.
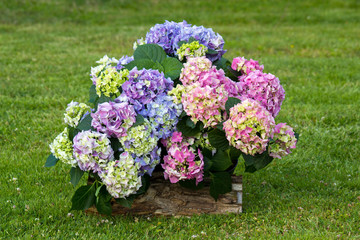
[176, 107]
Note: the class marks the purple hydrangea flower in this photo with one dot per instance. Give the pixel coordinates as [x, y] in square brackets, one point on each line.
[148, 162]
[168, 35]
[123, 61]
[163, 115]
[113, 119]
[92, 151]
[144, 86]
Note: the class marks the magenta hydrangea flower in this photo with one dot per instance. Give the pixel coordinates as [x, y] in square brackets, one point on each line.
[245, 66]
[249, 127]
[193, 68]
[114, 119]
[182, 162]
[283, 140]
[144, 85]
[92, 151]
[263, 87]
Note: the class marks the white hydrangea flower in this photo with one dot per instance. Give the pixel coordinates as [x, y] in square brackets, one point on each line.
[74, 112]
[62, 148]
[121, 176]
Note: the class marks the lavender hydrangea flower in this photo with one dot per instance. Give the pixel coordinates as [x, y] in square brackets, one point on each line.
[92, 150]
[168, 35]
[144, 85]
[121, 177]
[148, 162]
[113, 119]
[163, 115]
[123, 61]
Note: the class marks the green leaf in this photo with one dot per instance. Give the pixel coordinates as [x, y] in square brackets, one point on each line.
[103, 201]
[172, 67]
[51, 161]
[75, 175]
[218, 139]
[186, 130]
[257, 162]
[190, 123]
[220, 184]
[151, 52]
[85, 124]
[211, 51]
[126, 202]
[158, 66]
[230, 103]
[72, 133]
[83, 198]
[191, 184]
[115, 145]
[140, 64]
[103, 99]
[139, 120]
[296, 136]
[93, 97]
[220, 161]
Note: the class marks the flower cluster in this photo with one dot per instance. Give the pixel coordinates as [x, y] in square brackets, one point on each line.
[193, 49]
[193, 68]
[182, 162]
[140, 140]
[163, 115]
[245, 66]
[144, 85]
[283, 139]
[249, 127]
[263, 87]
[74, 112]
[62, 148]
[114, 119]
[121, 176]
[169, 34]
[92, 151]
[148, 162]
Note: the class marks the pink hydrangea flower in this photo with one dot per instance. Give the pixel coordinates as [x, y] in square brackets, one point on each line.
[193, 68]
[283, 140]
[263, 87]
[182, 162]
[245, 66]
[249, 127]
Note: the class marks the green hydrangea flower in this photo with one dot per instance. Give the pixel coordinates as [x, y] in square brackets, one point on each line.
[62, 148]
[193, 49]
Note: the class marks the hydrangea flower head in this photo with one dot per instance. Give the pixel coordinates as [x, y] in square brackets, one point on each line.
[193, 49]
[283, 141]
[144, 85]
[245, 66]
[92, 150]
[249, 127]
[74, 113]
[113, 119]
[193, 68]
[163, 115]
[148, 162]
[104, 62]
[121, 176]
[62, 148]
[110, 80]
[176, 93]
[263, 87]
[140, 140]
[182, 162]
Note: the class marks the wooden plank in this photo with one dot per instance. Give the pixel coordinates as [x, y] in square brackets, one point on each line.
[167, 199]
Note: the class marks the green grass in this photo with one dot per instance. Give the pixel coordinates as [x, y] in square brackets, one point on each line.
[47, 48]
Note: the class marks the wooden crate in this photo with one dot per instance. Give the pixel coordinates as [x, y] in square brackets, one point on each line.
[167, 199]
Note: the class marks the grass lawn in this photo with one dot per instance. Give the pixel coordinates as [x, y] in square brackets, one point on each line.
[47, 48]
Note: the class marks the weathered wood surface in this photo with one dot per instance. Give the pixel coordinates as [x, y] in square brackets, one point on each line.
[165, 198]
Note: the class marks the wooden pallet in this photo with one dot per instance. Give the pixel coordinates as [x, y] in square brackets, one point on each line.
[167, 199]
